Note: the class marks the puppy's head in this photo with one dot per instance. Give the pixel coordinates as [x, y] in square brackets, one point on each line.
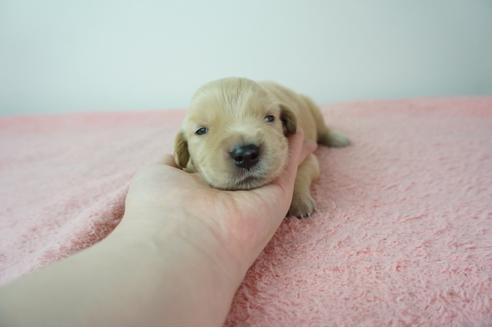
[235, 135]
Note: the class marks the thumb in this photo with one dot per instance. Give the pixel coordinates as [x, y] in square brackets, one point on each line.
[299, 150]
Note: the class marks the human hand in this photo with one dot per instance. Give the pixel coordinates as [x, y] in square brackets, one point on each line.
[177, 257]
[240, 223]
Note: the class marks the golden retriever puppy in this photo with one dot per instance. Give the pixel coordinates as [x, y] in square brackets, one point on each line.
[235, 136]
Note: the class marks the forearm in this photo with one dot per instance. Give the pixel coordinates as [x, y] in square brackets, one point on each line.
[133, 277]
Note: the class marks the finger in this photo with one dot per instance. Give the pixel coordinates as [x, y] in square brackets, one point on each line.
[299, 149]
[295, 145]
[308, 147]
[296, 156]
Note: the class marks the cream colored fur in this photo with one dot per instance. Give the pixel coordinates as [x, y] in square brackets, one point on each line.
[233, 110]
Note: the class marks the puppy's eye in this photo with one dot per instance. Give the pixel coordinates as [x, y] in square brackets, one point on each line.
[201, 131]
[269, 118]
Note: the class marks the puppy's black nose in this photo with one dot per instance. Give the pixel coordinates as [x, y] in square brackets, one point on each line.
[245, 156]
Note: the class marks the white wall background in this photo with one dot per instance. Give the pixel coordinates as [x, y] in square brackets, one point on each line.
[112, 55]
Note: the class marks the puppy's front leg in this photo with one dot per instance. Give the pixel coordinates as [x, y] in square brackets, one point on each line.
[302, 203]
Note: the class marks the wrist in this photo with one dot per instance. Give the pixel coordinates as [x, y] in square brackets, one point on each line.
[191, 237]
[191, 266]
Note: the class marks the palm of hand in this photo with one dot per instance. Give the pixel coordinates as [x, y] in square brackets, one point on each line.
[241, 221]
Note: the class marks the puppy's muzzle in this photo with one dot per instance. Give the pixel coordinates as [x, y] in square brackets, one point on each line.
[245, 156]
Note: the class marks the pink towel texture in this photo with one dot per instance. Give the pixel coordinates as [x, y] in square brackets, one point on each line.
[402, 234]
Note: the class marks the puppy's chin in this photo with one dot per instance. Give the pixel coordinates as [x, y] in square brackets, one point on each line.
[244, 183]
[245, 180]
[250, 182]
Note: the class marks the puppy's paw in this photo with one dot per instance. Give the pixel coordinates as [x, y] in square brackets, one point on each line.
[302, 206]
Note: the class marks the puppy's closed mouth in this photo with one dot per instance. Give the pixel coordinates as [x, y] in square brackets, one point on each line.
[249, 182]
[250, 179]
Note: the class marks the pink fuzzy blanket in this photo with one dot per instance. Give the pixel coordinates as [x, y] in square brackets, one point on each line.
[402, 234]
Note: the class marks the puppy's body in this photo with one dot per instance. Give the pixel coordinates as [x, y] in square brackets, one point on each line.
[235, 136]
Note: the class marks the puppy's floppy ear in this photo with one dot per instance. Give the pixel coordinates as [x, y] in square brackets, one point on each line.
[181, 153]
[289, 120]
